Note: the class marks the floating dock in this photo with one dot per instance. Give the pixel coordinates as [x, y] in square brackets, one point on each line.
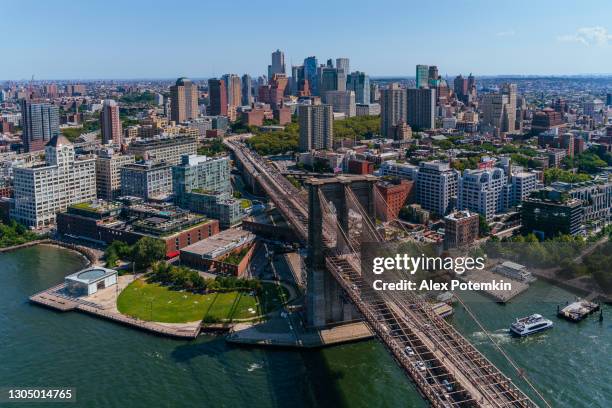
[578, 310]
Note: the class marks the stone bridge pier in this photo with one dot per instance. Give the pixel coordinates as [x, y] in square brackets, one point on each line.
[325, 300]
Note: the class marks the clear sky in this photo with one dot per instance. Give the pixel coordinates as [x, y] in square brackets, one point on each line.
[83, 39]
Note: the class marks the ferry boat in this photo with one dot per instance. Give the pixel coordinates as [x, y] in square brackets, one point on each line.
[530, 325]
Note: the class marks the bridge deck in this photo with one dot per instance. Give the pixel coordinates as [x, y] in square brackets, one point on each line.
[447, 369]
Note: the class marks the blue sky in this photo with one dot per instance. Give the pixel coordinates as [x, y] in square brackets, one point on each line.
[163, 39]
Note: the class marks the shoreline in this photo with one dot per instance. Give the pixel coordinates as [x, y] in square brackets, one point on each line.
[85, 252]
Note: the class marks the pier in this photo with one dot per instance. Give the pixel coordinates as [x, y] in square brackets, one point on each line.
[103, 304]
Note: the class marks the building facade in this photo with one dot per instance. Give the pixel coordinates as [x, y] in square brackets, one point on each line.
[436, 187]
[147, 180]
[40, 123]
[482, 191]
[392, 109]
[110, 123]
[183, 100]
[42, 191]
[316, 127]
[108, 174]
[421, 108]
[342, 102]
[164, 148]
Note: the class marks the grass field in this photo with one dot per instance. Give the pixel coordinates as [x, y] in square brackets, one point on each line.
[157, 303]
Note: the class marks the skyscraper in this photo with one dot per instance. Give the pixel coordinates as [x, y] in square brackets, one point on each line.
[310, 74]
[247, 90]
[183, 100]
[343, 69]
[297, 75]
[232, 88]
[341, 101]
[278, 63]
[433, 76]
[460, 86]
[392, 109]
[110, 123]
[328, 79]
[316, 127]
[510, 90]
[359, 83]
[217, 97]
[422, 76]
[499, 109]
[40, 123]
[421, 108]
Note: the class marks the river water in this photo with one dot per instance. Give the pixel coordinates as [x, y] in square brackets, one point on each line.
[115, 366]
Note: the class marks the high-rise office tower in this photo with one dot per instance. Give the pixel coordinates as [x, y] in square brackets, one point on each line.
[247, 90]
[343, 69]
[422, 76]
[217, 97]
[278, 64]
[471, 82]
[392, 109]
[232, 87]
[460, 86]
[183, 100]
[310, 74]
[328, 79]
[297, 75]
[494, 110]
[510, 90]
[316, 127]
[421, 108]
[359, 83]
[374, 93]
[40, 122]
[110, 123]
[341, 101]
[433, 76]
[499, 109]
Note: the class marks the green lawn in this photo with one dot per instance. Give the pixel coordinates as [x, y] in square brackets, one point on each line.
[157, 303]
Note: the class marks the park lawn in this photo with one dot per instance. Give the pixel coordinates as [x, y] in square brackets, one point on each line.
[152, 302]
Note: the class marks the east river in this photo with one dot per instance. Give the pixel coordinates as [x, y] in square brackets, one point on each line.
[110, 365]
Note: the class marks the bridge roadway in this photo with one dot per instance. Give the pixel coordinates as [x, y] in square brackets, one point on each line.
[446, 368]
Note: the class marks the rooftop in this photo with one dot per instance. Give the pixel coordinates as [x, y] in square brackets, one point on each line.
[91, 275]
[220, 244]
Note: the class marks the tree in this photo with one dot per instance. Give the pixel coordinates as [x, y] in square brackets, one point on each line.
[148, 250]
[483, 226]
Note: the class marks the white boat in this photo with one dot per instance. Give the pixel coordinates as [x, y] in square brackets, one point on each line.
[530, 325]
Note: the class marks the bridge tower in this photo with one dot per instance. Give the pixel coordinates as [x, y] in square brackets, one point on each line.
[325, 303]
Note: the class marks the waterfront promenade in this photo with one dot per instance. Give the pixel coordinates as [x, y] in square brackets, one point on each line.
[104, 304]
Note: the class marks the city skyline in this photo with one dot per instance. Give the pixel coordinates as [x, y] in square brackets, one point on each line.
[460, 39]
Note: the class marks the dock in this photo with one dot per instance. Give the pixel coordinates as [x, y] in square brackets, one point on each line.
[102, 304]
[578, 310]
[500, 296]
